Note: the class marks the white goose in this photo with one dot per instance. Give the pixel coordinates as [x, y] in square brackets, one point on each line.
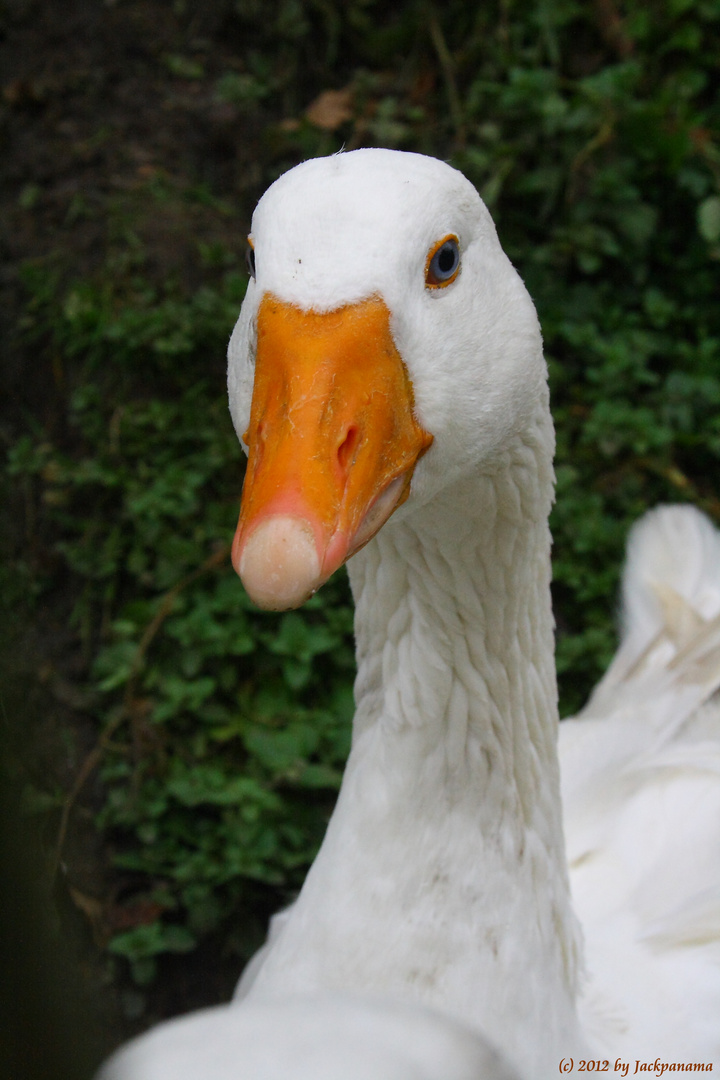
[388, 361]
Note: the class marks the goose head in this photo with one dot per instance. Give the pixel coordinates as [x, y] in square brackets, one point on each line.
[385, 348]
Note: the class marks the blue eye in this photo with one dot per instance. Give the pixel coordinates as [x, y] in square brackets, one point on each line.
[443, 263]
[250, 261]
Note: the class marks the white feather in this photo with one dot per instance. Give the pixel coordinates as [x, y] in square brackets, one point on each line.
[641, 794]
[327, 1037]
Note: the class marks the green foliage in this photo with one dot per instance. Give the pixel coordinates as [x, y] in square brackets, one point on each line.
[142, 945]
[229, 727]
[595, 144]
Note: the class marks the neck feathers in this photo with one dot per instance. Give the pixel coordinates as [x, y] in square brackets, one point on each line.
[456, 683]
[455, 635]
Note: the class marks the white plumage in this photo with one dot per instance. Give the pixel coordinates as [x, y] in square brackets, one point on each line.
[314, 1037]
[641, 798]
[443, 876]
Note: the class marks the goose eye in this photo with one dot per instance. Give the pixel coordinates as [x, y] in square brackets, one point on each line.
[250, 261]
[443, 263]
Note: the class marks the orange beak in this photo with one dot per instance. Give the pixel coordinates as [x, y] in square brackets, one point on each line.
[333, 445]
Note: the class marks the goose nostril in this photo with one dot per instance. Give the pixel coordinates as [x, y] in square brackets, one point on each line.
[256, 446]
[257, 437]
[347, 448]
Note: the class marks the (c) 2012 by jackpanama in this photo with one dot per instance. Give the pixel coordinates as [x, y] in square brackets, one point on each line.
[657, 1067]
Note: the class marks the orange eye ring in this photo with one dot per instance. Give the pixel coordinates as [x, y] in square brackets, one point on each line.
[443, 263]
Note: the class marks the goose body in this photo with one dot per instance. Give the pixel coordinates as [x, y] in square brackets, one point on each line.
[313, 1037]
[641, 799]
[443, 876]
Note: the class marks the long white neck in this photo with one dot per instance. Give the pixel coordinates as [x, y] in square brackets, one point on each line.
[442, 875]
[455, 652]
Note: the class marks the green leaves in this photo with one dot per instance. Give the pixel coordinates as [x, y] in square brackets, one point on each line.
[229, 726]
[592, 133]
[142, 945]
[298, 641]
[708, 217]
